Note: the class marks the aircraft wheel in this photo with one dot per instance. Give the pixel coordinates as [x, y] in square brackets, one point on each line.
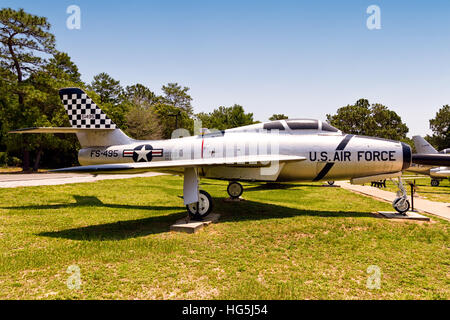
[401, 205]
[434, 182]
[330, 183]
[199, 210]
[235, 189]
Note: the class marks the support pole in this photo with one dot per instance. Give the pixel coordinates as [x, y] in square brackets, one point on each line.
[413, 187]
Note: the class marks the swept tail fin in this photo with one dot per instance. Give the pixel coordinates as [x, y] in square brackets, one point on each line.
[423, 146]
[82, 111]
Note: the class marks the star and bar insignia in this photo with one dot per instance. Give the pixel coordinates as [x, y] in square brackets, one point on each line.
[142, 153]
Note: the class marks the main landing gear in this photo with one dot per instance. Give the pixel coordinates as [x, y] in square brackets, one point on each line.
[199, 210]
[235, 190]
[199, 202]
[401, 203]
[435, 182]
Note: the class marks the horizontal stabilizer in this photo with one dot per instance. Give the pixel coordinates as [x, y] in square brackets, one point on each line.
[57, 130]
[244, 161]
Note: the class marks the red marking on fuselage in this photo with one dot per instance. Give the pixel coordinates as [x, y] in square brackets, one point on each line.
[203, 140]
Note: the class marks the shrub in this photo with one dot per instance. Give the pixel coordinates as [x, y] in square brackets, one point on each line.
[14, 162]
[3, 159]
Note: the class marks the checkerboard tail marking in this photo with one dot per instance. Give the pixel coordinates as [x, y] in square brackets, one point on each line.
[82, 111]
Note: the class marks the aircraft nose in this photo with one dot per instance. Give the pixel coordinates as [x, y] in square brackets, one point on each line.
[407, 156]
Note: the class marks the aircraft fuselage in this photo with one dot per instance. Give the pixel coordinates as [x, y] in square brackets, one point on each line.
[328, 156]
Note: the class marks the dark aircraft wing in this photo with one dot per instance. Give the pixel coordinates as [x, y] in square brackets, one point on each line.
[435, 159]
[167, 166]
[56, 130]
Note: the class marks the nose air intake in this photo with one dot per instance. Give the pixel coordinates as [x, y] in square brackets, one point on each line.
[407, 156]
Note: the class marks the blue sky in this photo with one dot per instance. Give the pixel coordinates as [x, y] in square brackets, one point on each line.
[301, 58]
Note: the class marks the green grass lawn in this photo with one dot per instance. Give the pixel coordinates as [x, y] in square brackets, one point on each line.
[424, 188]
[298, 242]
[10, 169]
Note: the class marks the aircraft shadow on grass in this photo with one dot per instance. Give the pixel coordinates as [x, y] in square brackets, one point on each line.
[230, 212]
[90, 201]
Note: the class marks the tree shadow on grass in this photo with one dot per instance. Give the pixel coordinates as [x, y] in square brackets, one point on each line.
[90, 201]
[230, 212]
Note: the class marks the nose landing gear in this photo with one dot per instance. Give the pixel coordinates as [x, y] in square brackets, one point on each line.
[401, 203]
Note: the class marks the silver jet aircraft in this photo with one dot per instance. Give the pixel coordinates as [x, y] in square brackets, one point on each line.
[276, 151]
[426, 150]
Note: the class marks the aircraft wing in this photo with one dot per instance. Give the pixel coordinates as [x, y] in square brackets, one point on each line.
[242, 161]
[56, 130]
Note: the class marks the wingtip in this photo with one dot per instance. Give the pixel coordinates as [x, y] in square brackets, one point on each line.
[22, 130]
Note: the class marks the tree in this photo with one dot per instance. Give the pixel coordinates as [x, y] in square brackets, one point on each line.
[24, 40]
[139, 94]
[371, 120]
[440, 125]
[226, 118]
[59, 72]
[8, 102]
[107, 88]
[141, 119]
[172, 118]
[178, 97]
[143, 124]
[61, 67]
[278, 117]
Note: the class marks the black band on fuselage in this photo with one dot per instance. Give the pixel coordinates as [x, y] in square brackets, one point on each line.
[344, 142]
[324, 171]
[341, 146]
[407, 156]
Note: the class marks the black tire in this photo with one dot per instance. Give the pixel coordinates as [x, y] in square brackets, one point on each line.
[235, 189]
[401, 210]
[330, 183]
[434, 183]
[206, 206]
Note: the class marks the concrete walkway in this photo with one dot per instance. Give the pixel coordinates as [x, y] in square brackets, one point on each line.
[47, 179]
[441, 209]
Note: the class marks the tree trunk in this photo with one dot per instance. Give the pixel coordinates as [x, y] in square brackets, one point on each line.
[26, 160]
[26, 152]
[37, 160]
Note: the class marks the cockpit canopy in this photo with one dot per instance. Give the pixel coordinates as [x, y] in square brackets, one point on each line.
[300, 124]
[291, 126]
